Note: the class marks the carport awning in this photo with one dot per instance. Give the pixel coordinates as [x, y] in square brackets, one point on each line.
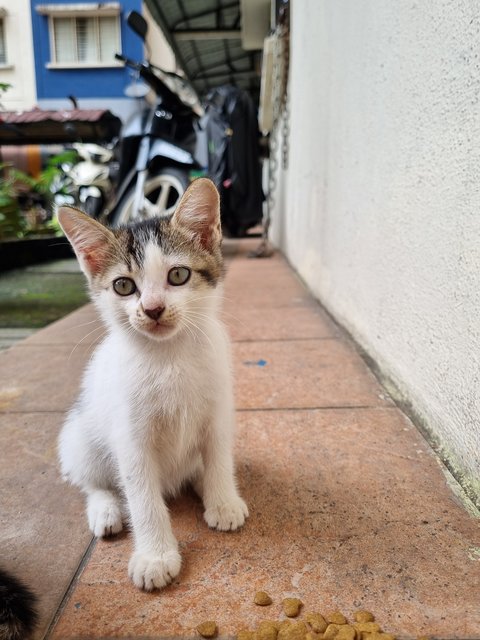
[205, 36]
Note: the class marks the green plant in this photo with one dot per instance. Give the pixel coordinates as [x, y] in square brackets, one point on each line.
[36, 195]
[12, 223]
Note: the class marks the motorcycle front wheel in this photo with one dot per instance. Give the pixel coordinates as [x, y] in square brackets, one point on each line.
[162, 193]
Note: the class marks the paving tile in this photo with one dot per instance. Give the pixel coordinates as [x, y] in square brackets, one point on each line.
[262, 284]
[41, 378]
[82, 327]
[349, 509]
[303, 374]
[42, 536]
[298, 322]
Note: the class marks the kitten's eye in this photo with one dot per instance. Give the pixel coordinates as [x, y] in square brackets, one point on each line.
[124, 286]
[178, 276]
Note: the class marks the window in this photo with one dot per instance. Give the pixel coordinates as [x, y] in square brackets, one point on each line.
[87, 40]
[3, 48]
[83, 35]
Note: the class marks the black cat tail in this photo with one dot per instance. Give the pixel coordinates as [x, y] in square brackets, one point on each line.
[18, 608]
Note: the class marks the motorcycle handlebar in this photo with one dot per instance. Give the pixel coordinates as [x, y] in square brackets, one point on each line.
[145, 69]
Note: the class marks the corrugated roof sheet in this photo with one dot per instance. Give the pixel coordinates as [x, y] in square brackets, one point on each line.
[206, 39]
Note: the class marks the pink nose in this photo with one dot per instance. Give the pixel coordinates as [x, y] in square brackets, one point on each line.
[154, 314]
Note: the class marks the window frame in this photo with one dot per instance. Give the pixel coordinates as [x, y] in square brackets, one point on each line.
[3, 29]
[75, 11]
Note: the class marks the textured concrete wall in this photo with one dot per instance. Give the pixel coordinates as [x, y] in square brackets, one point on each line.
[379, 210]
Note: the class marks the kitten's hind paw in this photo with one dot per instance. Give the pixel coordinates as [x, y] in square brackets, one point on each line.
[227, 516]
[104, 514]
[153, 571]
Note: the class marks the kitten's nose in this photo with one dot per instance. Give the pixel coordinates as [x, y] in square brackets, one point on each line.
[154, 314]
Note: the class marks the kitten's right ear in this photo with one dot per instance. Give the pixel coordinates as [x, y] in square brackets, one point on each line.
[92, 242]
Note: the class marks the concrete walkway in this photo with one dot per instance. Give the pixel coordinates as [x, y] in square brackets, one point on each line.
[349, 507]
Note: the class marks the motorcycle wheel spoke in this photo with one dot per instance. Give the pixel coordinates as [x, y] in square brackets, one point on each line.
[162, 199]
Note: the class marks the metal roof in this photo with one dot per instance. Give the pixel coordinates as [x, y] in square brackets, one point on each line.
[205, 36]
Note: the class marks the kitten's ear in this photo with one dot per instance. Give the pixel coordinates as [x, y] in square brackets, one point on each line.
[199, 213]
[92, 242]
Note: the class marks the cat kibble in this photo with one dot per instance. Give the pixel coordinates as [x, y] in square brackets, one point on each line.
[317, 622]
[262, 599]
[363, 616]
[336, 617]
[292, 606]
[207, 629]
[340, 632]
[246, 635]
[267, 630]
[331, 631]
[367, 627]
[292, 631]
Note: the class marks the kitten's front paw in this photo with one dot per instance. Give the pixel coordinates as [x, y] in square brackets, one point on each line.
[227, 516]
[104, 516]
[154, 570]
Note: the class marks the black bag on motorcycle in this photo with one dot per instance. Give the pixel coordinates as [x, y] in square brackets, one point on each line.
[234, 157]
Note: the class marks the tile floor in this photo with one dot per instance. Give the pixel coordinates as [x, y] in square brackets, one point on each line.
[349, 507]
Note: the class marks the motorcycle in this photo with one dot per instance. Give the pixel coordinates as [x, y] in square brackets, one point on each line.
[161, 148]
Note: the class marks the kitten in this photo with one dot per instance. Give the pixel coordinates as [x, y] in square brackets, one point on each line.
[18, 613]
[156, 408]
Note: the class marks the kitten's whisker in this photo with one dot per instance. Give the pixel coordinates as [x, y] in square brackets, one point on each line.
[197, 328]
[84, 324]
[84, 338]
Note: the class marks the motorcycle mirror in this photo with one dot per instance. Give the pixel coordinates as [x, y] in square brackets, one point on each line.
[136, 90]
[137, 23]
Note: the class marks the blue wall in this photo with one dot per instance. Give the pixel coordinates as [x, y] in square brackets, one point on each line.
[82, 83]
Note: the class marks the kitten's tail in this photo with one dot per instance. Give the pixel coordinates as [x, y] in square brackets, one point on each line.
[18, 608]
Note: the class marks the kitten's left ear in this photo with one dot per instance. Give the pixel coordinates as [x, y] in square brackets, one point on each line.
[199, 213]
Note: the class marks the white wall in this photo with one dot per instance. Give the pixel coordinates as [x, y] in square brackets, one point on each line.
[160, 52]
[19, 71]
[380, 211]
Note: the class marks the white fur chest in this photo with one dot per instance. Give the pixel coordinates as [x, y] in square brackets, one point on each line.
[164, 394]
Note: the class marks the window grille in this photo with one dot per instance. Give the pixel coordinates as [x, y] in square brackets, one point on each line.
[85, 40]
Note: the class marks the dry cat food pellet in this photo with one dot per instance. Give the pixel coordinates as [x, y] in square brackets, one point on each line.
[340, 632]
[262, 599]
[379, 635]
[292, 631]
[291, 607]
[336, 617]
[367, 627]
[267, 630]
[246, 635]
[317, 622]
[207, 629]
[363, 616]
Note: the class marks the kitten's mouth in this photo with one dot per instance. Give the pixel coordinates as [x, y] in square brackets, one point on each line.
[159, 328]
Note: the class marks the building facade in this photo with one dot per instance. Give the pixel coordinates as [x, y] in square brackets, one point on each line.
[53, 49]
[74, 48]
[16, 55]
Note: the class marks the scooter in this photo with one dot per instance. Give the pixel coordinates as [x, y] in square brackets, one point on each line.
[92, 179]
[161, 148]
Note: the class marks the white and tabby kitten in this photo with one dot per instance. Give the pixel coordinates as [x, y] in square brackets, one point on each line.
[156, 409]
